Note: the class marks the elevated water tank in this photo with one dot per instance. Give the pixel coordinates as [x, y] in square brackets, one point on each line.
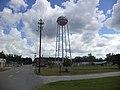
[62, 20]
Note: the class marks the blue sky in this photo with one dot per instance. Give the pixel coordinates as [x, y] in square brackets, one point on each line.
[106, 5]
[103, 4]
[3, 3]
[56, 2]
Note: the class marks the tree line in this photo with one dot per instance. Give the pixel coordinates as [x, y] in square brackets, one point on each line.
[114, 58]
[110, 58]
[89, 58]
[15, 58]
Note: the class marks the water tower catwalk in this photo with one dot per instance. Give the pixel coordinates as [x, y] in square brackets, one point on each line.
[63, 49]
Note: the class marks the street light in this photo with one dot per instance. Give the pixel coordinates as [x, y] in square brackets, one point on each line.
[40, 27]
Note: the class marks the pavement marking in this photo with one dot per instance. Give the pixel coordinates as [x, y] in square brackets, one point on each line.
[10, 76]
[19, 70]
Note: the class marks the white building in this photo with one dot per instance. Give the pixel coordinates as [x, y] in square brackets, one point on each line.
[2, 62]
[88, 63]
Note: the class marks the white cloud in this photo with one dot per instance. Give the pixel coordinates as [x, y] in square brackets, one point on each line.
[114, 21]
[16, 5]
[109, 11]
[101, 17]
[8, 18]
[99, 46]
[13, 44]
[82, 16]
[84, 22]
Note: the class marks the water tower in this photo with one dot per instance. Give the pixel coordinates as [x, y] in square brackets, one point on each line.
[63, 49]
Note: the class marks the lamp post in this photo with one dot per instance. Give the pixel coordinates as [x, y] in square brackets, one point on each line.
[40, 27]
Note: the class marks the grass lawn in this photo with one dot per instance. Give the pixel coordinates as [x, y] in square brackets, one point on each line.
[108, 83]
[3, 69]
[78, 70]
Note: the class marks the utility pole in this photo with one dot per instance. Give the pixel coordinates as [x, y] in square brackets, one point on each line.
[40, 27]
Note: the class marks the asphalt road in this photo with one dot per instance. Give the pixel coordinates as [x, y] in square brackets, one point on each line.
[23, 78]
[20, 78]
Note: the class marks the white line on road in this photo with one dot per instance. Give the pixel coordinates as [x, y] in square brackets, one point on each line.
[10, 76]
[19, 70]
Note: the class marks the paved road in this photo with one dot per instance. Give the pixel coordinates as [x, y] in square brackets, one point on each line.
[48, 79]
[20, 78]
[23, 78]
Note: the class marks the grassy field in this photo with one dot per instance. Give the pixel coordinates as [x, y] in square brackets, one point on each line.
[78, 70]
[108, 83]
[3, 69]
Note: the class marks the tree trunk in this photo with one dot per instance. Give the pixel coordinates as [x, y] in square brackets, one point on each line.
[66, 69]
[119, 66]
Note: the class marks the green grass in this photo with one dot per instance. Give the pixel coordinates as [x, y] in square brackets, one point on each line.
[108, 83]
[78, 70]
[3, 69]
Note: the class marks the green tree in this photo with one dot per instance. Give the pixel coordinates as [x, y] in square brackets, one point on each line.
[66, 63]
[2, 55]
[27, 60]
[50, 64]
[114, 58]
[78, 59]
[91, 58]
[9, 59]
[109, 57]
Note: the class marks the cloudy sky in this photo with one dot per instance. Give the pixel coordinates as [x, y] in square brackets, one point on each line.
[94, 26]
